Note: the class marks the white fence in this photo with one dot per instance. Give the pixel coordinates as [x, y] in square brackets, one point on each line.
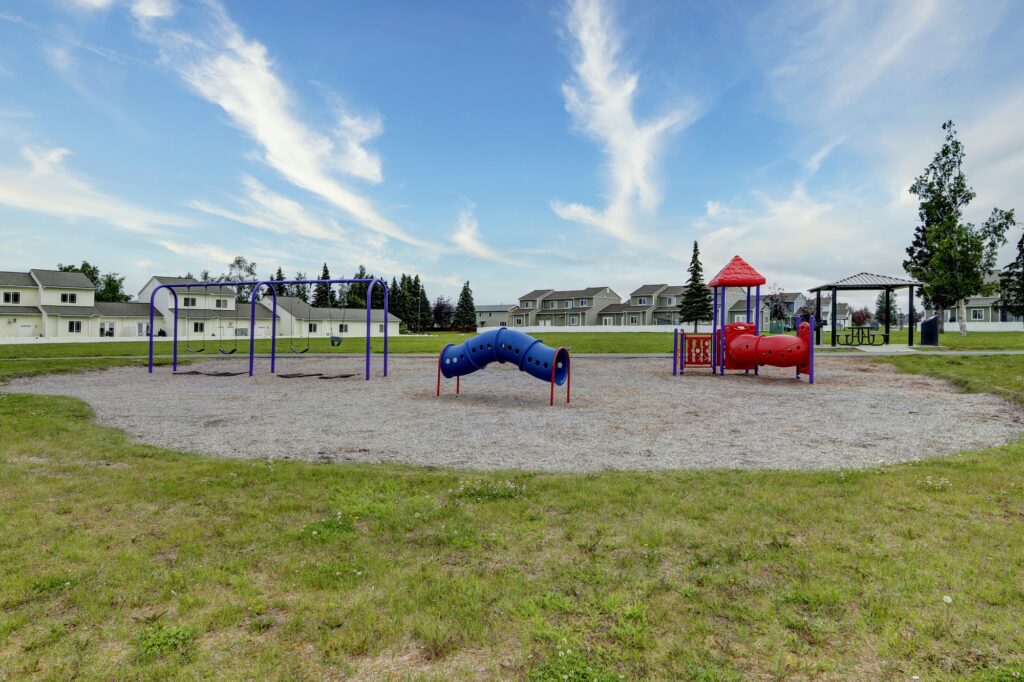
[986, 327]
[605, 328]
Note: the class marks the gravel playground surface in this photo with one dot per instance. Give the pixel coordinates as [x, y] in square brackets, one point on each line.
[625, 414]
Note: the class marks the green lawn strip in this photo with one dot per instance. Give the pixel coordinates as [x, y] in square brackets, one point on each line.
[1002, 375]
[119, 560]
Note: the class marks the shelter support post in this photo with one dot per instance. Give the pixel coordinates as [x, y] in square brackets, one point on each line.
[817, 316]
[888, 315]
[835, 330]
[910, 332]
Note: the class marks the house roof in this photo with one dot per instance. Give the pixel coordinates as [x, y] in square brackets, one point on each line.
[982, 300]
[224, 291]
[241, 312]
[742, 305]
[674, 290]
[62, 280]
[71, 310]
[128, 309]
[499, 308]
[867, 280]
[19, 310]
[578, 293]
[624, 308]
[17, 279]
[536, 293]
[738, 273]
[299, 309]
[648, 290]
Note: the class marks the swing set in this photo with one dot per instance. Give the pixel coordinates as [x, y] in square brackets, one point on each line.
[336, 340]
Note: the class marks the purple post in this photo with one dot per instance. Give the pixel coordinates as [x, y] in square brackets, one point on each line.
[725, 319]
[675, 351]
[152, 324]
[748, 305]
[714, 331]
[252, 327]
[757, 322]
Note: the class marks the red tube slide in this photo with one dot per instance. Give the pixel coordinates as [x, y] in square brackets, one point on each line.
[746, 350]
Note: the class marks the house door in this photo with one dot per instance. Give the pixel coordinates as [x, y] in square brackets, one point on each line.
[25, 330]
[545, 323]
[262, 332]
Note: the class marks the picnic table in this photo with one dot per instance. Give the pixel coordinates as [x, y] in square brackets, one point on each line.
[861, 335]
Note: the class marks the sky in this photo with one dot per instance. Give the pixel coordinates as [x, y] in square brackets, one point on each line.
[519, 145]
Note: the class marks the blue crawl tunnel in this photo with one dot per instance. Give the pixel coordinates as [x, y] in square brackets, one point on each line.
[530, 355]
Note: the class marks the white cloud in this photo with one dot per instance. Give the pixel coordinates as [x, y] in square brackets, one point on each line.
[90, 4]
[205, 254]
[268, 210]
[144, 10]
[47, 186]
[467, 238]
[237, 74]
[601, 99]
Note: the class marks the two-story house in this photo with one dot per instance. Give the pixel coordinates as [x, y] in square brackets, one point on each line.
[296, 318]
[525, 314]
[47, 303]
[19, 305]
[651, 304]
[493, 315]
[575, 307]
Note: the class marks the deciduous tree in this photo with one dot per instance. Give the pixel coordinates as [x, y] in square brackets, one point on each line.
[950, 257]
[1011, 283]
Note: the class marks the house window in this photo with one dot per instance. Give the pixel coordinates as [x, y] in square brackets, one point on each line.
[633, 319]
[574, 320]
[141, 329]
[380, 328]
[641, 300]
[527, 304]
[12, 297]
[241, 331]
[106, 328]
[584, 303]
[189, 302]
[502, 324]
[608, 321]
[977, 314]
[74, 327]
[312, 327]
[343, 328]
[221, 303]
[952, 316]
[671, 300]
[553, 305]
[198, 327]
[68, 298]
[519, 322]
[568, 304]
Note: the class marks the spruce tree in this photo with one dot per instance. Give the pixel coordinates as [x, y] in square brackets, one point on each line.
[279, 289]
[423, 314]
[300, 291]
[465, 310]
[396, 300]
[1011, 283]
[695, 303]
[356, 295]
[323, 294]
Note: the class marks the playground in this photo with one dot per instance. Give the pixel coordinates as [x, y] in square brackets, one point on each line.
[628, 414]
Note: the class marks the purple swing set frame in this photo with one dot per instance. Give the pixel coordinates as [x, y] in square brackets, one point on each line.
[273, 324]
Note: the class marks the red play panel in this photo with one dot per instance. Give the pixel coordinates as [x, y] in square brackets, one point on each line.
[738, 273]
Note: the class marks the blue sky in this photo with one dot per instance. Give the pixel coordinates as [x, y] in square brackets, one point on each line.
[516, 145]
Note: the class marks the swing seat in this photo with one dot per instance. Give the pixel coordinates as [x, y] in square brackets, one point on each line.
[195, 350]
[335, 340]
[299, 350]
[228, 351]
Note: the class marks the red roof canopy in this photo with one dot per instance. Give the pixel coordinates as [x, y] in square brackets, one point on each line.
[737, 273]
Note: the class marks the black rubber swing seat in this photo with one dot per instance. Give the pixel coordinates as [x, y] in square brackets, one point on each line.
[299, 350]
[227, 352]
[338, 376]
[299, 375]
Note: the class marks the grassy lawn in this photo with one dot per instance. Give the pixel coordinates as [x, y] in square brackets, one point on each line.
[119, 560]
[999, 374]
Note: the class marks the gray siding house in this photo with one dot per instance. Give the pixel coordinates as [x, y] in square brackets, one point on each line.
[570, 308]
[493, 315]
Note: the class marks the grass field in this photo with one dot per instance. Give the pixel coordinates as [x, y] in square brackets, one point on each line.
[582, 342]
[999, 374]
[119, 560]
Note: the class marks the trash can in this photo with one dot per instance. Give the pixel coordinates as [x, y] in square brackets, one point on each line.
[777, 327]
[930, 331]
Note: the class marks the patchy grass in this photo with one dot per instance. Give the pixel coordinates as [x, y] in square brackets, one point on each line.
[119, 560]
[999, 374]
[33, 367]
